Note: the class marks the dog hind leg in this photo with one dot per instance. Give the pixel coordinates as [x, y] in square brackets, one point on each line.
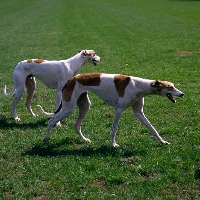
[67, 110]
[58, 96]
[19, 93]
[58, 100]
[83, 104]
[117, 116]
[31, 86]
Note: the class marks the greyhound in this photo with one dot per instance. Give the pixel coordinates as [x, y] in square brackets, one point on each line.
[53, 74]
[118, 91]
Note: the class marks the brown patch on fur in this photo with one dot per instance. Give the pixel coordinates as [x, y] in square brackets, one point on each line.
[89, 53]
[166, 84]
[36, 61]
[121, 82]
[155, 83]
[29, 60]
[39, 61]
[68, 89]
[161, 85]
[89, 79]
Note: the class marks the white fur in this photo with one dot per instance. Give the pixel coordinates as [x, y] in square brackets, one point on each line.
[134, 95]
[53, 74]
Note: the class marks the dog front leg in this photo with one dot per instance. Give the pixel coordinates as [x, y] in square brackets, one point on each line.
[117, 116]
[83, 104]
[138, 112]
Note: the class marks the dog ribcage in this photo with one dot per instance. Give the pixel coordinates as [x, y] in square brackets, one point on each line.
[106, 91]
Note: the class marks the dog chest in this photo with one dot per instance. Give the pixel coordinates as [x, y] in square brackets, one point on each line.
[106, 91]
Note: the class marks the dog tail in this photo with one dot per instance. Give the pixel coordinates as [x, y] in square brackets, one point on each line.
[45, 113]
[50, 114]
[9, 94]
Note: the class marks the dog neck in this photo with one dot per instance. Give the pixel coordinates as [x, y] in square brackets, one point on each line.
[144, 87]
[76, 62]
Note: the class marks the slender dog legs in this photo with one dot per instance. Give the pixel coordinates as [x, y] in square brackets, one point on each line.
[83, 104]
[53, 121]
[117, 116]
[138, 112]
[31, 86]
[20, 92]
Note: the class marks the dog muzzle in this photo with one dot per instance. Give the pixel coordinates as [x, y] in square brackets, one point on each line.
[170, 97]
[95, 60]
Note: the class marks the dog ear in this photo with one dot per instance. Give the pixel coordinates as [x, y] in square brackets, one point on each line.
[156, 84]
[84, 52]
[87, 53]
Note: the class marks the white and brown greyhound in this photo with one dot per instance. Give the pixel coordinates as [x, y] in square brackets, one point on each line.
[54, 74]
[118, 91]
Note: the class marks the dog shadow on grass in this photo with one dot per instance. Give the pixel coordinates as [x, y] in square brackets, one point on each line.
[9, 123]
[67, 147]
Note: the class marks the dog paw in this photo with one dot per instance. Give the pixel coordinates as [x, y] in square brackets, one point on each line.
[58, 124]
[88, 140]
[17, 119]
[165, 142]
[115, 145]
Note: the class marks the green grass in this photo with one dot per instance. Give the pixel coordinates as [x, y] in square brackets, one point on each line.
[134, 37]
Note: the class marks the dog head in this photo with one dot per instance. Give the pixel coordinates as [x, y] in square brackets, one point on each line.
[167, 89]
[91, 55]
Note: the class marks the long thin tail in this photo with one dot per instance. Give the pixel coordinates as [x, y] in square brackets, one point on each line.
[50, 114]
[9, 94]
[45, 113]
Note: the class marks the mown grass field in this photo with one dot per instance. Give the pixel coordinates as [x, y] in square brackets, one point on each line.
[150, 39]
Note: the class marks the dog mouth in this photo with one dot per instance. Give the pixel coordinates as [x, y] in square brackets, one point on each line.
[170, 97]
[94, 62]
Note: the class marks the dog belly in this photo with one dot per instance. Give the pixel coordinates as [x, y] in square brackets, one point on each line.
[108, 96]
[49, 81]
[50, 84]
[111, 102]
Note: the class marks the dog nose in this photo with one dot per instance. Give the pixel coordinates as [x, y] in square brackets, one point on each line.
[182, 94]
